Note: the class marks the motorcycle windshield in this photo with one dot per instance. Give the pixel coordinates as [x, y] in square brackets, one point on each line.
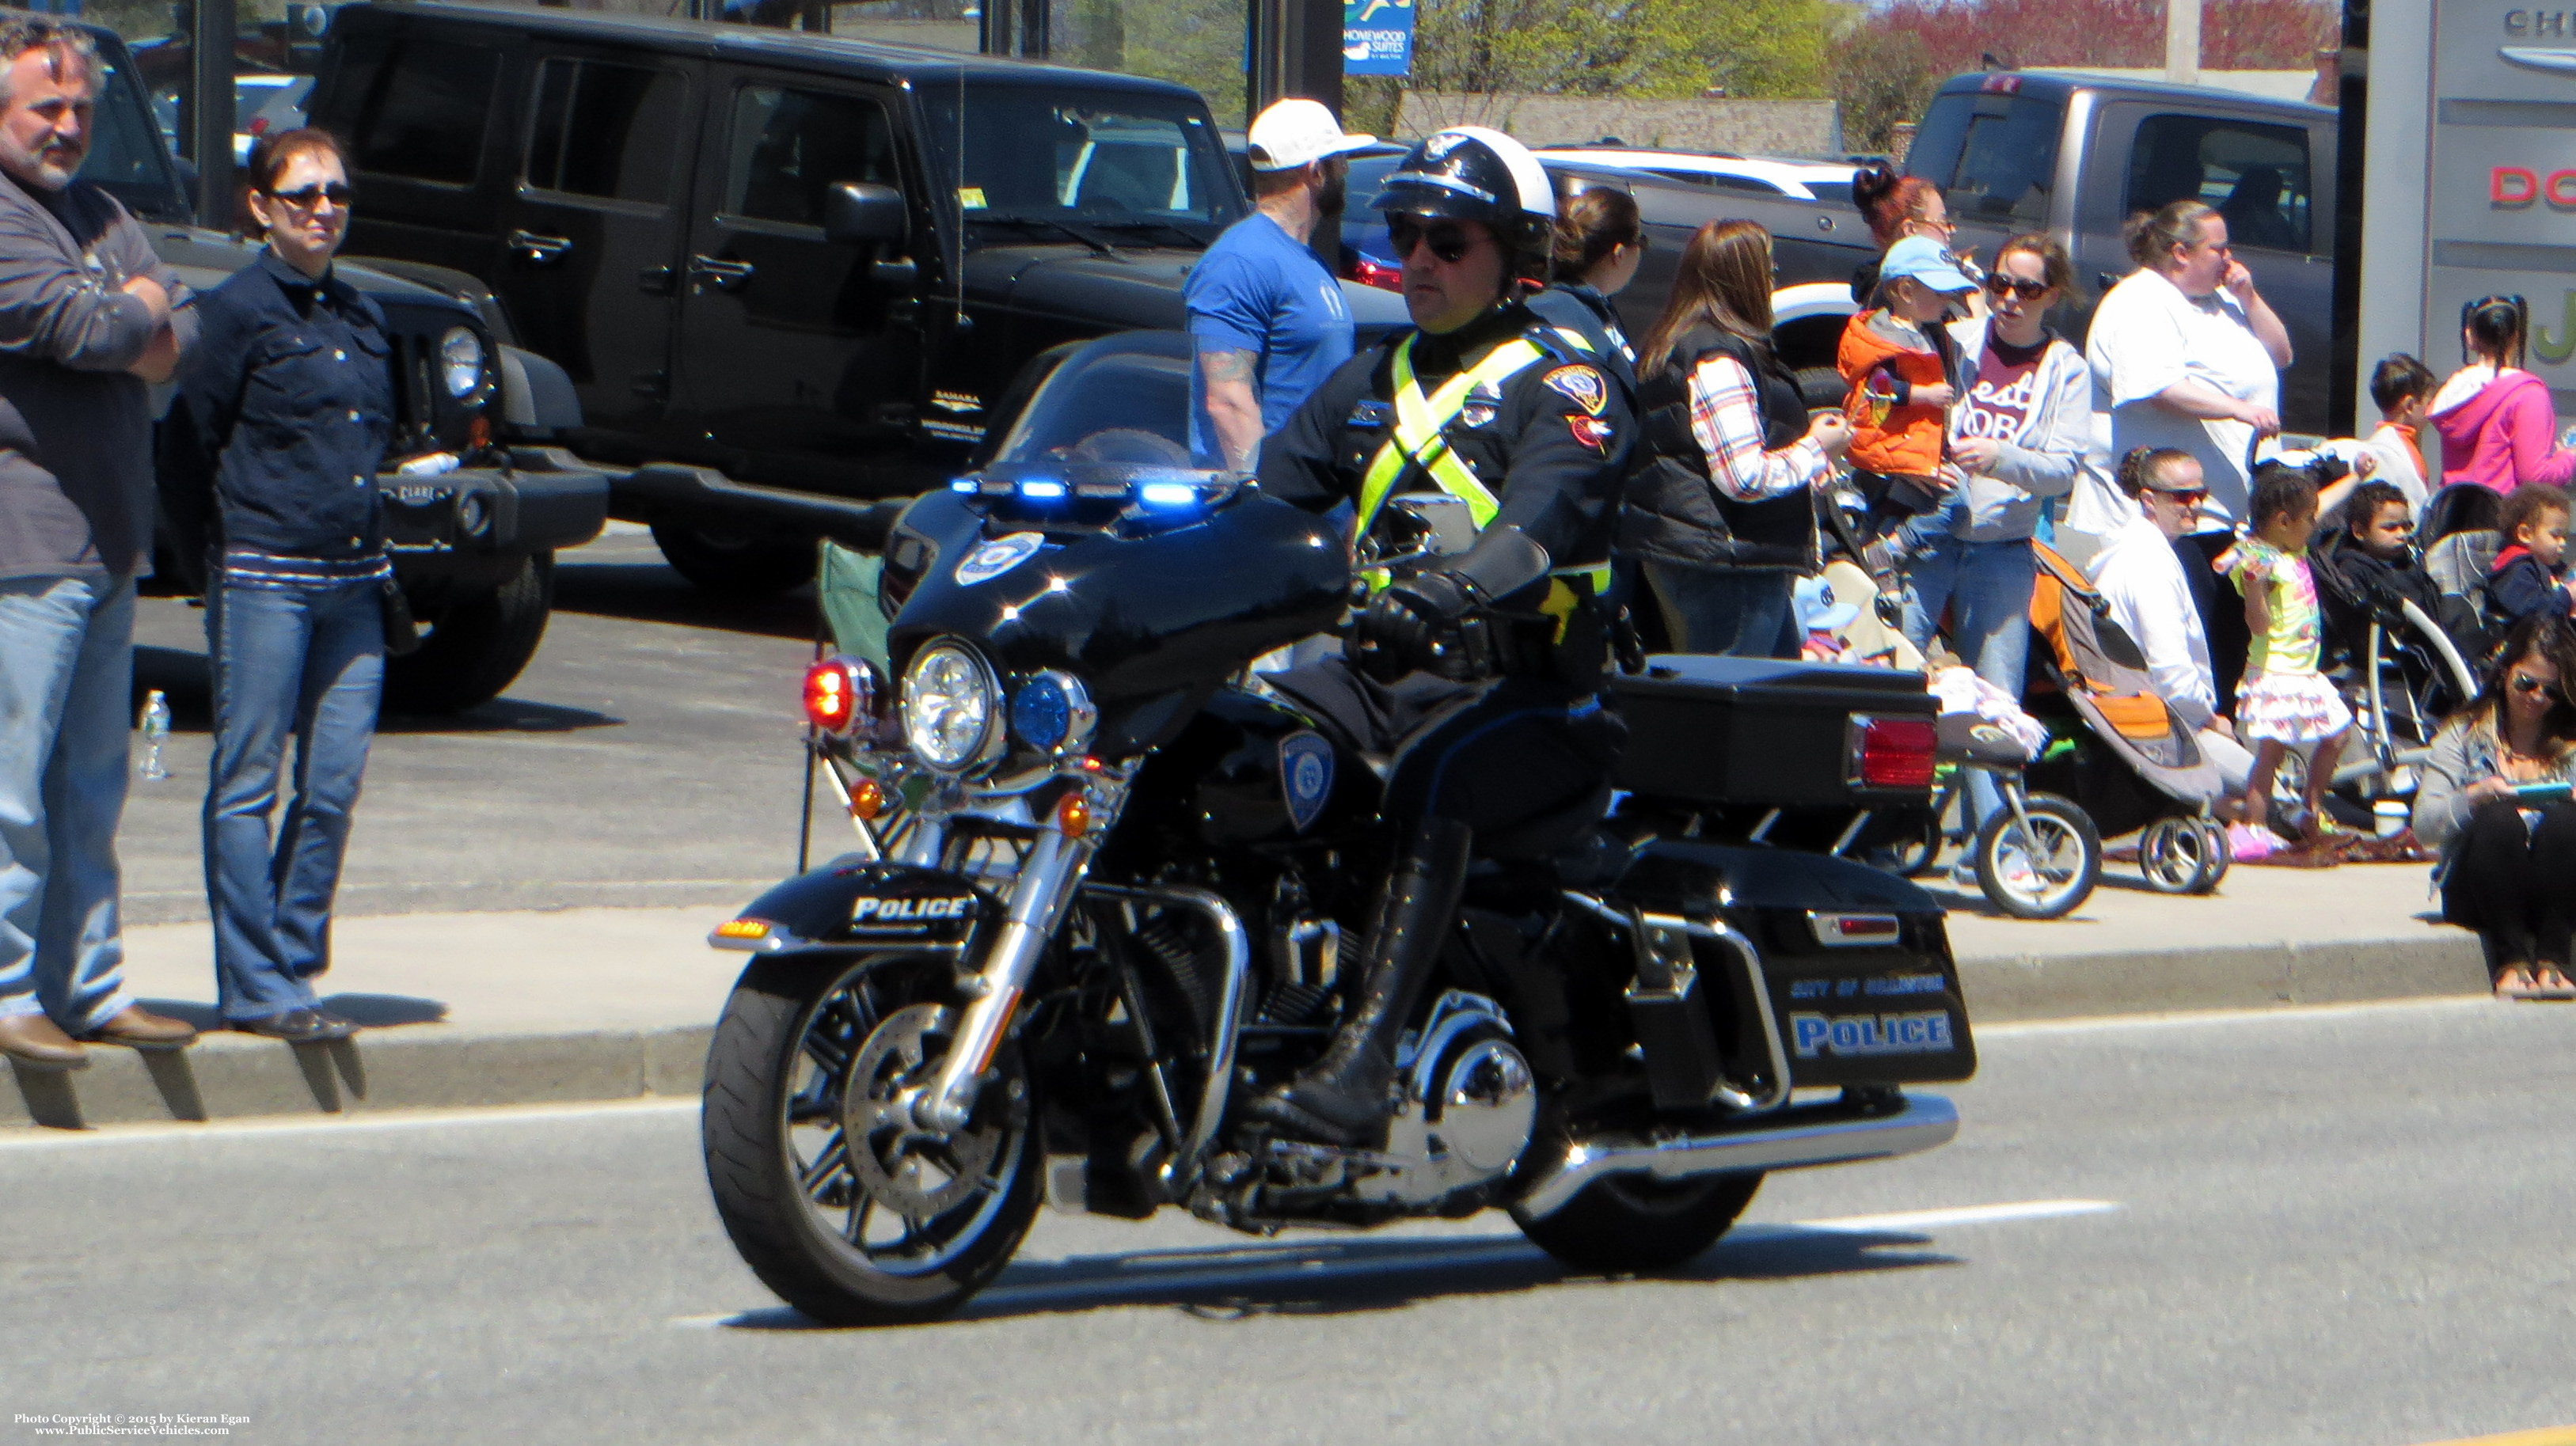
[1089, 544]
[1122, 399]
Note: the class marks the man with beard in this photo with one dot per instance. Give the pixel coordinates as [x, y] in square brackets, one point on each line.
[1268, 319]
[88, 318]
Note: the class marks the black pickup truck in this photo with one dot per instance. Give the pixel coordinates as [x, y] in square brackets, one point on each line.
[473, 545]
[789, 274]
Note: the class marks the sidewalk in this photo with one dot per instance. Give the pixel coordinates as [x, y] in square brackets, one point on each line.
[599, 1004]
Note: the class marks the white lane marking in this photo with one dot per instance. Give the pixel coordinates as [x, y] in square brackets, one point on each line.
[1169, 1271]
[1963, 1215]
[44, 1139]
[2186, 1018]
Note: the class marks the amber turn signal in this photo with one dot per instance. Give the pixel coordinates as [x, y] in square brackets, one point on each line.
[867, 800]
[1073, 815]
[742, 929]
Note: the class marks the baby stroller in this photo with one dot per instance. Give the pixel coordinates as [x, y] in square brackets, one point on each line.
[2458, 565]
[2143, 767]
[2398, 644]
[2038, 857]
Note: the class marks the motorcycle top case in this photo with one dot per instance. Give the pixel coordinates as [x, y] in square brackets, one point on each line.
[1718, 731]
[1856, 960]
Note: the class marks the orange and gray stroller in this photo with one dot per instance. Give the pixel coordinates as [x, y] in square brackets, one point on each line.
[2143, 767]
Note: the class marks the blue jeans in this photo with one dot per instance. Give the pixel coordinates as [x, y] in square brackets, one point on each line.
[1986, 587]
[66, 679]
[1739, 612]
[310, 661]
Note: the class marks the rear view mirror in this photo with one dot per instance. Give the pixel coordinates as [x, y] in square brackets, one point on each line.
[864, 213]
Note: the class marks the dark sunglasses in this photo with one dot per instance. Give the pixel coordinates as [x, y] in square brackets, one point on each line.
[1448, 243]
[2525, 683]
[2026, 290]
[2191, 498]
[305, 198]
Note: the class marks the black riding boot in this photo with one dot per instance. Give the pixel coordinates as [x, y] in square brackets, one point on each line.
[1344, 1099]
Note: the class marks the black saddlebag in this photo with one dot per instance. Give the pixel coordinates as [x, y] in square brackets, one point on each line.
[1715, 731]
[1856, 961]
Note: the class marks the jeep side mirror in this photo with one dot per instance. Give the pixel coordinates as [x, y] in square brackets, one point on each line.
[864, 213]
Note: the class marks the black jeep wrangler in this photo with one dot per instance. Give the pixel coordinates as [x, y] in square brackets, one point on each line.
[474, 546]
[789, 274]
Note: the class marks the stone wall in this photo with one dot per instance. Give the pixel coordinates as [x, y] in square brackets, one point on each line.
[1753, 127]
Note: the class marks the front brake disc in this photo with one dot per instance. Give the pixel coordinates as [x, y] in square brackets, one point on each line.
[916, 1173]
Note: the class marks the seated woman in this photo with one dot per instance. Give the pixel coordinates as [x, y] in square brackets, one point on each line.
[2140, 574]
[2494, 799]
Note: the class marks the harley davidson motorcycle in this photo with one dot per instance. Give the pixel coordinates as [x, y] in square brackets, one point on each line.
[1103, 874]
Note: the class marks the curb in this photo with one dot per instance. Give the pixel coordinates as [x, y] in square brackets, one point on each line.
[2004, 989]
[421, 1067]
[228, 1077]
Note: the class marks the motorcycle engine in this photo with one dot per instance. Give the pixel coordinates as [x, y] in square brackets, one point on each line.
[1470, 1103]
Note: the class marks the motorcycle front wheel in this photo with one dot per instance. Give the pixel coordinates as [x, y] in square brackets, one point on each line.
[1636, 1224]
[832, 1196]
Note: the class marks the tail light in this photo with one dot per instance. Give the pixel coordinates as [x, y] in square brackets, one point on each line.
[1893, 752]
[1369, 271]
[844, 695]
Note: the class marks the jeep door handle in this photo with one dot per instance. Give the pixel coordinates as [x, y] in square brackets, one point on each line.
[539, 250]
[722, 275]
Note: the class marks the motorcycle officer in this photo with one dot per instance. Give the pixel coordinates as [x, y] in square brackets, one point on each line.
[1478, 670]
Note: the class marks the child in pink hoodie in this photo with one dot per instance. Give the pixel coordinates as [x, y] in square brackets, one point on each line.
[2497, 426]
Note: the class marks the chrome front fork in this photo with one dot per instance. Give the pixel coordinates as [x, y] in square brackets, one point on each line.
[1047, 882]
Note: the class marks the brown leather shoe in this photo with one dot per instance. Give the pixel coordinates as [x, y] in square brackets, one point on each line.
[139, 1028]
[37, 1042]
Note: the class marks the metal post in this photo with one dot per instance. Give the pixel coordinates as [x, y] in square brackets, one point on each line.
[2352, 128]
[1296, 50]
[2182, 41]
[211, 40]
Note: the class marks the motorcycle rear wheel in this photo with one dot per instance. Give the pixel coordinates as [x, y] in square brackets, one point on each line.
[1637, 1224]
[920, 1224]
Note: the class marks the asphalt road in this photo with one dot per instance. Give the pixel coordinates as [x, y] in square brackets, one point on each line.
[648, 755]
[2333, 1227]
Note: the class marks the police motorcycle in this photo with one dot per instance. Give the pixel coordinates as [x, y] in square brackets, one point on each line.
[1109, 883]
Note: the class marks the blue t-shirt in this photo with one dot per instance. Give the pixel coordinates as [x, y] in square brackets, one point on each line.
[1261, 291]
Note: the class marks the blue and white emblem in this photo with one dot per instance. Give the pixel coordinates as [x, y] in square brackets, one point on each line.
[1305, 777]
[998, 556]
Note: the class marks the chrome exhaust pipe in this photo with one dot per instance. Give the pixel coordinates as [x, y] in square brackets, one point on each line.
[1925, 1122]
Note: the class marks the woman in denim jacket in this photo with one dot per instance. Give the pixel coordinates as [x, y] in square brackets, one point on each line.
[2509, 858]
[292, 400]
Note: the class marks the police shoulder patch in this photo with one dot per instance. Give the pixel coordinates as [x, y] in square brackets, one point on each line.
[1581, 385]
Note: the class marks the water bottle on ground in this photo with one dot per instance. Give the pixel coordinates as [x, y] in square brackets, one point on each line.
[155, 724]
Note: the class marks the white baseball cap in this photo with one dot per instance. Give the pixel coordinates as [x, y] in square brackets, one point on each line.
[1293, 133]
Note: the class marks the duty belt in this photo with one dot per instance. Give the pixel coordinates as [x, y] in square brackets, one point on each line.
[1419, 438]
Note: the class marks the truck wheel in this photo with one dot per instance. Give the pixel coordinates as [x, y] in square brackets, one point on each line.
[476, 645]
[745, 564]
[1628, 1224]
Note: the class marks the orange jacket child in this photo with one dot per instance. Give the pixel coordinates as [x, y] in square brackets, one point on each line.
[1884, 358]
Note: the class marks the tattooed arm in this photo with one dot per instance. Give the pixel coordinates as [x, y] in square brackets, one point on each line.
[1234, 411]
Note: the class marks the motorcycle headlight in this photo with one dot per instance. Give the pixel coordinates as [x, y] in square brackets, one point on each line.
[950, 707]
[460, 361]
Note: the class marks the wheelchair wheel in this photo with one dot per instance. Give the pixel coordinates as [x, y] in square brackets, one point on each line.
[2047, 874]
[2179, 855]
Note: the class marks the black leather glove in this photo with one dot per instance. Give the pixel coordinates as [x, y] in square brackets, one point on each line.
[1416, 624]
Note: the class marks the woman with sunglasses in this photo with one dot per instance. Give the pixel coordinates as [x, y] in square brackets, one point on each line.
[2016, 438]
[2494, 800]
[2498, 428]
[291, 401]
[2157, 588]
